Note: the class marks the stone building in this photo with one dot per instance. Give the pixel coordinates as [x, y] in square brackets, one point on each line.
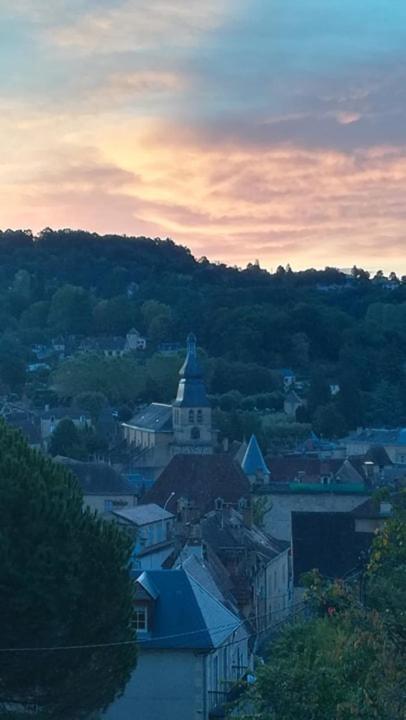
[161, 431]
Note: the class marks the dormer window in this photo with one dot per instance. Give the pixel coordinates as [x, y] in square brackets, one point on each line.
[141, 619]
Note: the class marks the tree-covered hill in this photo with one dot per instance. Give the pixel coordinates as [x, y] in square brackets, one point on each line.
[330, 328]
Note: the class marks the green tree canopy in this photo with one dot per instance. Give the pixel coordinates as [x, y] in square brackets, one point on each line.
[66, 440]
[64, 582]
[119, 379]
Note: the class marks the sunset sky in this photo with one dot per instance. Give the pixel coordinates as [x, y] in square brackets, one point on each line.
[269, 129]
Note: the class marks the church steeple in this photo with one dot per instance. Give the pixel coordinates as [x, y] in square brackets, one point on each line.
[191, 412]
[191, 388]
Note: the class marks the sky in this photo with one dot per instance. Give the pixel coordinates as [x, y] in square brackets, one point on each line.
[245, 129]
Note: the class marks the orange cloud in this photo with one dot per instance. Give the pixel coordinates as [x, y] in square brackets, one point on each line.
[230, 202]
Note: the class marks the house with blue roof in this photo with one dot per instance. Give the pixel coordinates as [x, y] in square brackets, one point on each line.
[253, 463]
[192, 650]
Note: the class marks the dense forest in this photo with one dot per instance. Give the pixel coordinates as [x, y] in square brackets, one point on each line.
[332, 329]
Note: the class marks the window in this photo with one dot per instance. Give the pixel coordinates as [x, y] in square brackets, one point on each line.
[141, 619]
[195, 433]
[191, 416]
[200, 416]
[108, 505]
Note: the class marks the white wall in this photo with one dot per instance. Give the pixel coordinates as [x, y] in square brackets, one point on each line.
[166, 685]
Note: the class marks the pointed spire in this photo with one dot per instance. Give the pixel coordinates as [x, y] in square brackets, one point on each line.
[191, 367]
[191, 388]
[253, 462]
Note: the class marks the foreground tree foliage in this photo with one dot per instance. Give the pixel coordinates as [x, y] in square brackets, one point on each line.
[348, 663]
[64, 582]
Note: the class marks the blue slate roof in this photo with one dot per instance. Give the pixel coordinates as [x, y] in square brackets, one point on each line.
[191, 389]
[185, 614]
[253, 461]
[156, 416]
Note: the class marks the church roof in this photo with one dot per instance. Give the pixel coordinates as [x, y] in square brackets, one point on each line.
[191, 389]
[156, 416]
[200, 479]
[253, 461]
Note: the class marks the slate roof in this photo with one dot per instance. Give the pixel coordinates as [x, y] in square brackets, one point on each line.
[97, 478]
[372, 509]
[253, 461]
[156, 416]
[185, 614]
[227, 530]
[327, 542]
[191, 388]
[144, 514]
[378, 455]
[285, 469]
[379, 436]
[201, 479]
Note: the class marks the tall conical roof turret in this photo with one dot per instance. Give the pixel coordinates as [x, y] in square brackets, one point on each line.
[253, 462]
[191, 388]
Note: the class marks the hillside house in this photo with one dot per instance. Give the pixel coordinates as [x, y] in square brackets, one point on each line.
[51, 417]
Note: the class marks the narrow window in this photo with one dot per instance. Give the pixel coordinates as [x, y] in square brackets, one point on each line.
[140, 619]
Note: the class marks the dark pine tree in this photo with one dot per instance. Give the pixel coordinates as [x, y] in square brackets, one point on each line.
[64, 582]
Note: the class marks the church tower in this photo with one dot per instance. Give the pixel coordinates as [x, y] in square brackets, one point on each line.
[191, 411]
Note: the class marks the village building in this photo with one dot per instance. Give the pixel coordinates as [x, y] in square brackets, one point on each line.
[152, 529]
[392, 440]
[51, 417]
[135, 341]
[162, 431]
[104, 490]
[193, 485]
[292, 403]
[192, 650]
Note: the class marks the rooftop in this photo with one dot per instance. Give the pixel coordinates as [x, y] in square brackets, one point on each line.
[156, 416]
[253, 462]
[97, 478]
[185, 614]
[144, 514]
[200, 479]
